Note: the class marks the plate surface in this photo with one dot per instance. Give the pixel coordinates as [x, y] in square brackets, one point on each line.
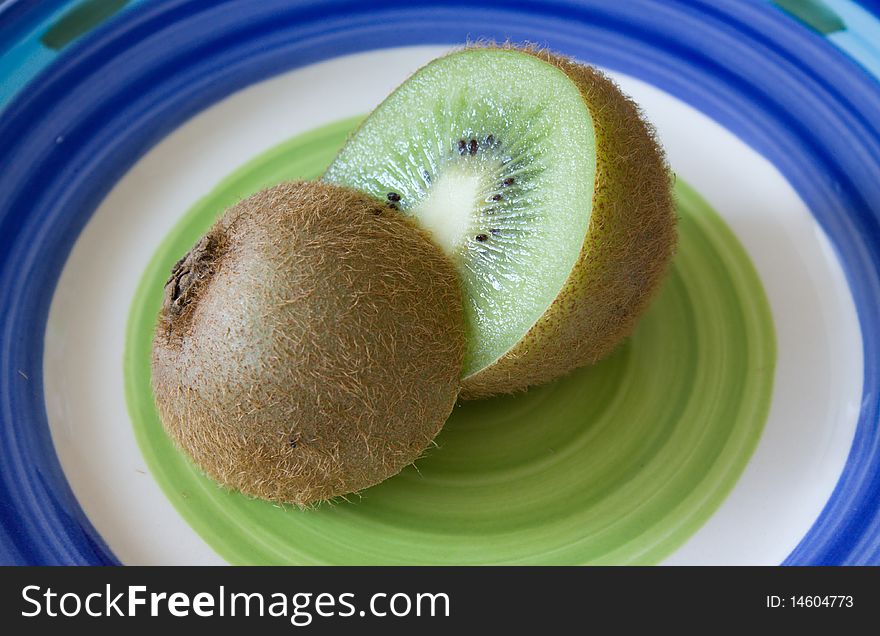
[738, 425]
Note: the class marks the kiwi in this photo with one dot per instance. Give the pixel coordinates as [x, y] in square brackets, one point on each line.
[309, 345]
[547, 189]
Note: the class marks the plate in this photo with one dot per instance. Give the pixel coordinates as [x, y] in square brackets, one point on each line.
[738, 425]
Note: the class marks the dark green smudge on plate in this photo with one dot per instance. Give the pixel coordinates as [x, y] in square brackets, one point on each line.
[80, 20]
[620, 462]
[813, 13]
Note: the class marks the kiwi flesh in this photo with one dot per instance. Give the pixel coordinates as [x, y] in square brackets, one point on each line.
[547, 189]
[309, 345]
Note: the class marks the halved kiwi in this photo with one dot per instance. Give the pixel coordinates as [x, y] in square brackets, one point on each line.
[310, 344]
[545, 186]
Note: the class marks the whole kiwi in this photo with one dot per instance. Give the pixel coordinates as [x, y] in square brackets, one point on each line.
[309, 345]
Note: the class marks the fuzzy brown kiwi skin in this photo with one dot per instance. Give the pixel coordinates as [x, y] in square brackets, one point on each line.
[309, 346]
[627, 250]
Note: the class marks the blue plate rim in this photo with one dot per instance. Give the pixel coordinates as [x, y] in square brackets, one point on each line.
[64, 151]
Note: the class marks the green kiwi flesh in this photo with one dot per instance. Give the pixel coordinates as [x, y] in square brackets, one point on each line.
[546, 188]
[309, 345]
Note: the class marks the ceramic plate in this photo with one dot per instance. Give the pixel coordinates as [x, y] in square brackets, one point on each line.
[738, 425]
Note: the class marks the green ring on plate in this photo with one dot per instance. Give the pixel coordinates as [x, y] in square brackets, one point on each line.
[617, 463]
